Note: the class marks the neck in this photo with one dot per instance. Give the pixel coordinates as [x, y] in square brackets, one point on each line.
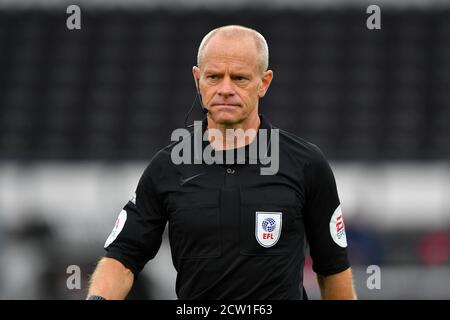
[232, 136]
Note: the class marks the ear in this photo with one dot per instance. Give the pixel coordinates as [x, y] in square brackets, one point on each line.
[196, 74]
[266, 80]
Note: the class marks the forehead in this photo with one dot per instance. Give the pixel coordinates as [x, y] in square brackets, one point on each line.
[239, 53]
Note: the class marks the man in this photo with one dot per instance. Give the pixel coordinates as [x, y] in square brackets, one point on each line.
[234, 232]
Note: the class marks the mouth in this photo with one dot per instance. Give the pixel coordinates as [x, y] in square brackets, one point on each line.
[226, 105]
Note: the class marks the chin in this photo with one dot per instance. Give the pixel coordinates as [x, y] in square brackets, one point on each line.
[226, 121]
[226, 118]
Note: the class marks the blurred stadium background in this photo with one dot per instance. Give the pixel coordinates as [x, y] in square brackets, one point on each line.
[82, 112]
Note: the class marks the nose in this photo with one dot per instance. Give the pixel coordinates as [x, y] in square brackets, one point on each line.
[226, 87]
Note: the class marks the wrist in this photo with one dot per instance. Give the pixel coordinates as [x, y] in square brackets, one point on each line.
[95, 297]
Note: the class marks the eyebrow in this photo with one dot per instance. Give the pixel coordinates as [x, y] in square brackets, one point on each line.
[234, 73]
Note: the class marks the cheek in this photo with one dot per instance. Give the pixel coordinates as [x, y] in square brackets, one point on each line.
[207, 93]
[253, 94]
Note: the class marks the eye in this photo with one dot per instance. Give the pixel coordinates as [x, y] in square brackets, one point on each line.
[213, 77]
[240, 78]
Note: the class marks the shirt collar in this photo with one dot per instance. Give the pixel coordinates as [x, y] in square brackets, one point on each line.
[264, 125]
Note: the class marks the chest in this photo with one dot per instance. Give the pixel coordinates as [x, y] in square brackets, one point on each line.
[235, 208]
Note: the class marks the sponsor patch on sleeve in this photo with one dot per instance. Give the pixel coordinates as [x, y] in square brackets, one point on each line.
[337, 228]
[118, 226]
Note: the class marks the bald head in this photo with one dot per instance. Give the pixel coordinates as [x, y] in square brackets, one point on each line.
[238, 33]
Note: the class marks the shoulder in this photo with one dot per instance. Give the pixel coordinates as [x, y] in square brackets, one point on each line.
[309, 159]
[308, 152]
[315, 166]
[162, 162]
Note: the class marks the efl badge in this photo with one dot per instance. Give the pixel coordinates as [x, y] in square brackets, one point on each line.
[337, 228]
[268, 228]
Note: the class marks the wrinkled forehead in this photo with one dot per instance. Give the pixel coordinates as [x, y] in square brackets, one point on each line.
[239, 52]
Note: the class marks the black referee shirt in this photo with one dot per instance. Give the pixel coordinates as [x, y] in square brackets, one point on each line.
[234, 233]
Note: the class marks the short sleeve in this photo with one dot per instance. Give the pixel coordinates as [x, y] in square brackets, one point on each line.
[137, 233]
[324, 224]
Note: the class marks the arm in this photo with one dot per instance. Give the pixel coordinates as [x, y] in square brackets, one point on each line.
[111, 280]
[135, 239]
[337, 286]
[325, 231]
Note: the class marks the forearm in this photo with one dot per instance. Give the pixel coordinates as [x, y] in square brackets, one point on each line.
[111, 280]
[337, 286]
